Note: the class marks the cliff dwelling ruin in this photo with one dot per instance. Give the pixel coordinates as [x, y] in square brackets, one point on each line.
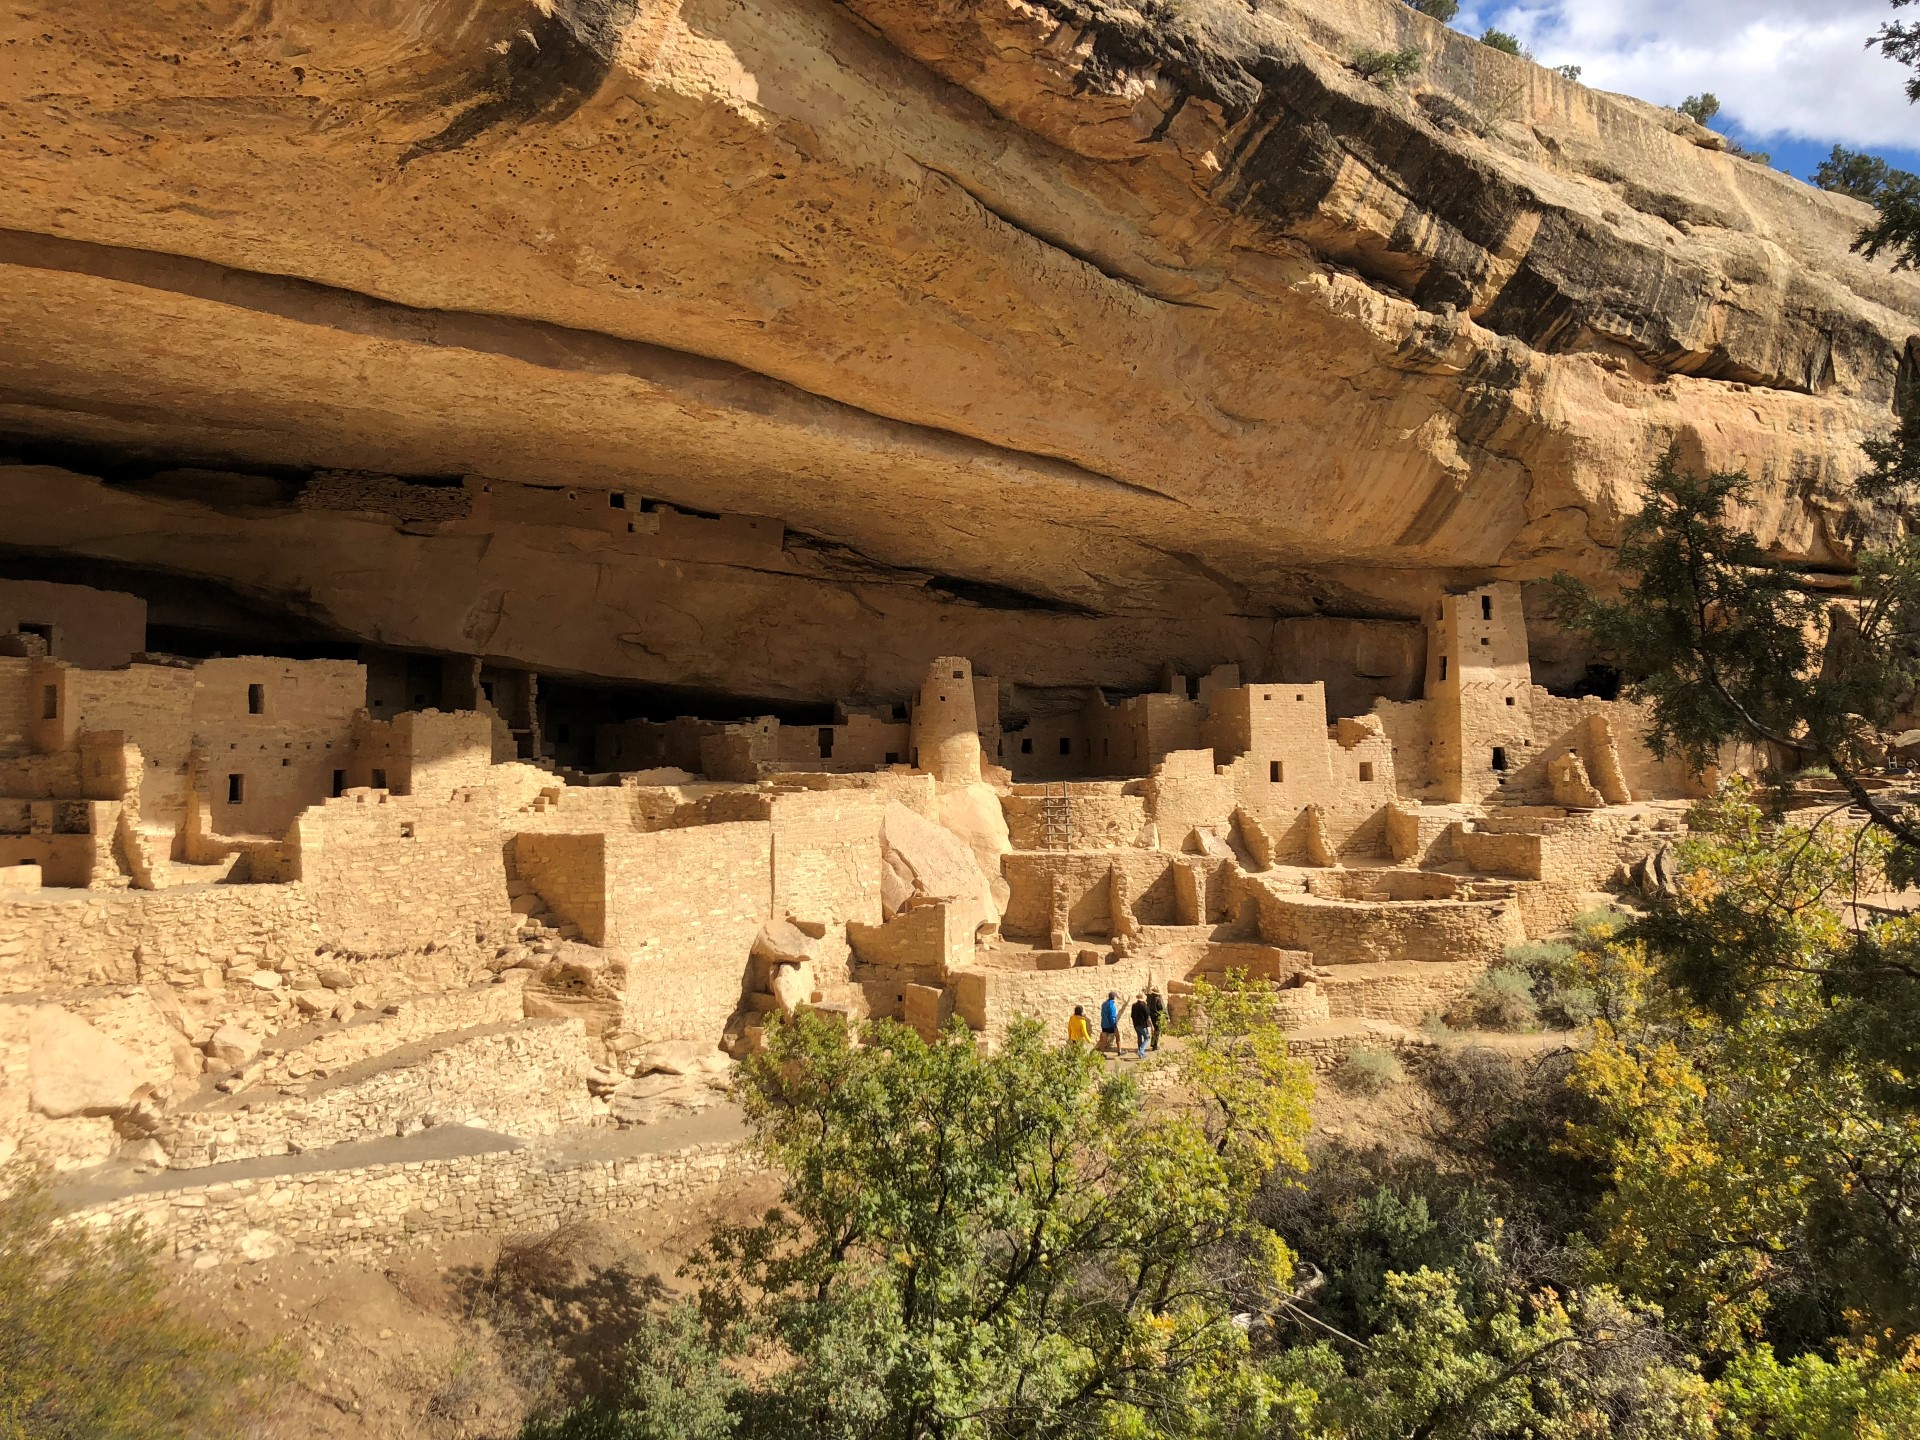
[516, 567]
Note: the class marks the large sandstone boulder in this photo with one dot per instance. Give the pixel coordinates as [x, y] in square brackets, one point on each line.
[75, 1070]
[924, 861]
[972, 815]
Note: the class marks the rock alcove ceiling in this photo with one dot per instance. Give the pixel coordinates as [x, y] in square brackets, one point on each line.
[1083, 338]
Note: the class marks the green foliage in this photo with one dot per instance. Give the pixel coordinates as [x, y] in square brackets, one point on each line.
[1502, 999]
[1567, 72]
[1700, 108]
[1502, 41]
[1368, 1070]
[976, 1244]
[1895, 457]
[1856, 173]
[1861, 1396]
[670, 1383]
[1758, 1153]
[90, 1349]
[1898, 227]
[1441, 10]
[1385, 67]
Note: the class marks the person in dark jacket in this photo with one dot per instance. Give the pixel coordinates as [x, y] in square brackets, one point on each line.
[1156, 1013]
[1142, 1026]
[1110, 1023]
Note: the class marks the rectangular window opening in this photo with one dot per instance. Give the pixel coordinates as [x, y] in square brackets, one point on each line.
[236, 789]
[379, 779]
[1066, 745]
[1443, 667]
[50, 703]
[893, 757]
[1484, 640]
[339, 783]
[1366, 771]
[959, 674]
[1499, 757]
[406, 830]
[1275, 772]
[826, 742]
[616, 501]
[486, 690]
[1486, 607]
[1026, 746]
[1509, 700]
[256, 699]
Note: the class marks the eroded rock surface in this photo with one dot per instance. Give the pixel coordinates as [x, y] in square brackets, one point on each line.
[1076, 335]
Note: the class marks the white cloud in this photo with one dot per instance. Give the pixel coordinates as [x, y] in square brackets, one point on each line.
[1798, 69]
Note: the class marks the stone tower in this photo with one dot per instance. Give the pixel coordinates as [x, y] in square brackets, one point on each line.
[946, 726]
[1480, 687]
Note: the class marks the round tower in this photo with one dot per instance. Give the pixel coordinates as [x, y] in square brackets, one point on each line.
[946, 725]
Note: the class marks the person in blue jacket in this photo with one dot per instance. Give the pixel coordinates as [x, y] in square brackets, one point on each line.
[1110, 1023]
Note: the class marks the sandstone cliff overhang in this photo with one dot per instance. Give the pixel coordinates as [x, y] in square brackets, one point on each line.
[1048, 318]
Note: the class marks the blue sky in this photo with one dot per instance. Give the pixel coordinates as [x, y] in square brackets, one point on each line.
[1794, 77]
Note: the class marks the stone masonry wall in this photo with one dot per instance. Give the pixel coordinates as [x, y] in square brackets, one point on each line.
[375, 1209]
[526, 1080]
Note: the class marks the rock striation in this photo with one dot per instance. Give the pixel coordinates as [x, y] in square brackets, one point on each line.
[1080, 336]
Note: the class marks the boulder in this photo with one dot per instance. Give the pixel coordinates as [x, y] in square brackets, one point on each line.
[680, 1057]
[781, 942]
[792, 986]
[72, 1069]
[935, 865]
[231, 1045]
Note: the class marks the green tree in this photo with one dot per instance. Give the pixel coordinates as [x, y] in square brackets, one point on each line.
[1008, 1243]
[1856, 173]
[1441, 10]
[1700, 108]
[89, 1347]
[1502, 41]
[1898, 228]
[1385, 67]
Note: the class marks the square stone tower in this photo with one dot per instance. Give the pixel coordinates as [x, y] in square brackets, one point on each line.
[1480, 690]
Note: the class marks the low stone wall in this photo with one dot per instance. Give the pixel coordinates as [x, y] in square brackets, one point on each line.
[416, 1018]
[374, 1209]
[1405, 994]
[528, 1080]
[1342, 932]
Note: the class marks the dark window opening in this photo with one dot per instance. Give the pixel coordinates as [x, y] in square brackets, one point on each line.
[236, 789]
[562, 733]
[616, 501]
[284, 763]
[1274, 772]
[893, 757]
[50, 703]
[33, 627]
[379, 779]
[256, 699]
[826, 742]
[486, 689]
[1366, 771]
[406, 830]
[1066, 745]
[1499, 757]
[339, 782]
[1443, 667]
[1509, 700]
[959, 674]
[1601, 681]
[916, 755]
[899, 712]
[1484, 640]
[1486, 607]
[1026, 746]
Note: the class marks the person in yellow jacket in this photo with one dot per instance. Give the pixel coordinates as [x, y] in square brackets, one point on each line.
[1078, 1031]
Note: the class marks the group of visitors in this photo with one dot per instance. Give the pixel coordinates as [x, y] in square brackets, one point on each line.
[1147, 1013]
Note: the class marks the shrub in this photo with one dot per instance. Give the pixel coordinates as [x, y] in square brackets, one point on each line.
[1384, 67]
[1596, 927]
[1368, 1070]
[1567, 72]
[1502, 999]
[670, 1384]
[88, 1346]
[1502, 41]
[1857, 173]
[1700, 108]
[1441, 10]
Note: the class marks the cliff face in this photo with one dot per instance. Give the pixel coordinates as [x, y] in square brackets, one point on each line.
[1077, 335]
